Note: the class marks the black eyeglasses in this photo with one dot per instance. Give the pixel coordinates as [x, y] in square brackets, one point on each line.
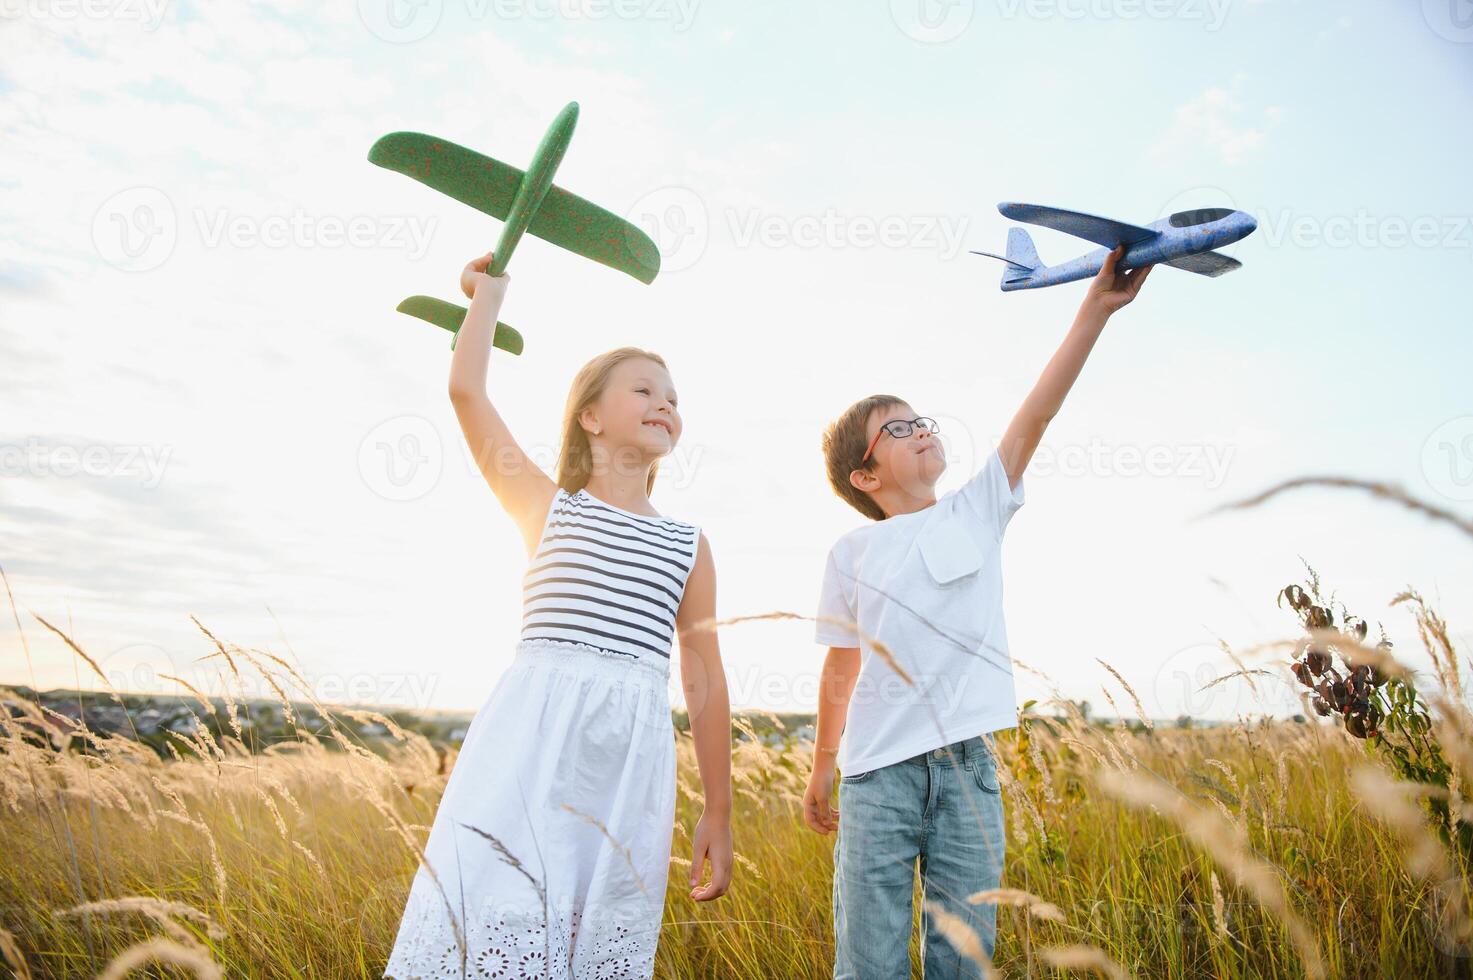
[899, 429]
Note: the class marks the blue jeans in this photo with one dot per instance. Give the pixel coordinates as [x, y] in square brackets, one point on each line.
[942, 807]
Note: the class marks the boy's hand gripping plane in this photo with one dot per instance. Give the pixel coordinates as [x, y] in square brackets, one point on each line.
[1184, 240]
[527, 201]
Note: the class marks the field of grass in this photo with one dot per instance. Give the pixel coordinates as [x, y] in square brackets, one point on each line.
[1336, 845]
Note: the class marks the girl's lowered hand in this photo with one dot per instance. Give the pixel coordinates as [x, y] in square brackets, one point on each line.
[473, 276]
[711, 843]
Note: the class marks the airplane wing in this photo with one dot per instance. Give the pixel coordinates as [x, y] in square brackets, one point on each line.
[1206, 263]
[488, 185]
[1101, 231]
[450, 317]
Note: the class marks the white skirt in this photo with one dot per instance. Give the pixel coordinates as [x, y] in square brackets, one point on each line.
[551, 844]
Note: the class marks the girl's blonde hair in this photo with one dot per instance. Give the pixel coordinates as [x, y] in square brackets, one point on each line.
[575, 459]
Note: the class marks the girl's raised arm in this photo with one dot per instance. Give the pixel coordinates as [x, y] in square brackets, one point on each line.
[521, 486]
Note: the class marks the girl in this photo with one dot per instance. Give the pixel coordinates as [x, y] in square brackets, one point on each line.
[550, 849]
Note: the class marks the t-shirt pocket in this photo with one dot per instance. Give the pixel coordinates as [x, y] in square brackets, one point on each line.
[950, 549]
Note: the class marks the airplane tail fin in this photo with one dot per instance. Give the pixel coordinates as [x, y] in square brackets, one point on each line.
[1021, 252]
[1021, 258]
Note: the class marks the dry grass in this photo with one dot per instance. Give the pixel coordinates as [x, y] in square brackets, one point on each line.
[1260, 849]
[1233, 852]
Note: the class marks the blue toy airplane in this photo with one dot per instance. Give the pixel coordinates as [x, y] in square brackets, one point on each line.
[1184, 240]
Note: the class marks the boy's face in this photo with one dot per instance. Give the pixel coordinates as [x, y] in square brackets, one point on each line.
[911, 464]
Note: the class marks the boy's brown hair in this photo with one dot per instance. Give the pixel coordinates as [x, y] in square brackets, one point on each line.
[844, 443]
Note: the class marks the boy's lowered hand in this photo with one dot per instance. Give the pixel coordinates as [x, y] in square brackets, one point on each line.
[817, 814]
[840, 673]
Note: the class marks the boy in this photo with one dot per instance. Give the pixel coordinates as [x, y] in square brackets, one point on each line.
[921, 590]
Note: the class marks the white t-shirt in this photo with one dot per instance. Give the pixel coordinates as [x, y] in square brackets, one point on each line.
[928, 587]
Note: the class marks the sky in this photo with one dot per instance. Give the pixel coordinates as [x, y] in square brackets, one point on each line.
[209, 407]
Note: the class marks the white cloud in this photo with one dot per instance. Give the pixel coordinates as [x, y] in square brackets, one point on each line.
[1215, 122]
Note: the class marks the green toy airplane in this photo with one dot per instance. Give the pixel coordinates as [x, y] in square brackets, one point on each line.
[527, 201]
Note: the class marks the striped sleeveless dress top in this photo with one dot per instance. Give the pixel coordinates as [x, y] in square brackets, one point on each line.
[607, 578]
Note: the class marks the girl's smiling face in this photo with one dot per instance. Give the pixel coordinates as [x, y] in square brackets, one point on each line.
[638, 410]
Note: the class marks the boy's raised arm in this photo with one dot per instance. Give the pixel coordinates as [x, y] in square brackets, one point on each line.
[1108, 292]
[521, 486]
